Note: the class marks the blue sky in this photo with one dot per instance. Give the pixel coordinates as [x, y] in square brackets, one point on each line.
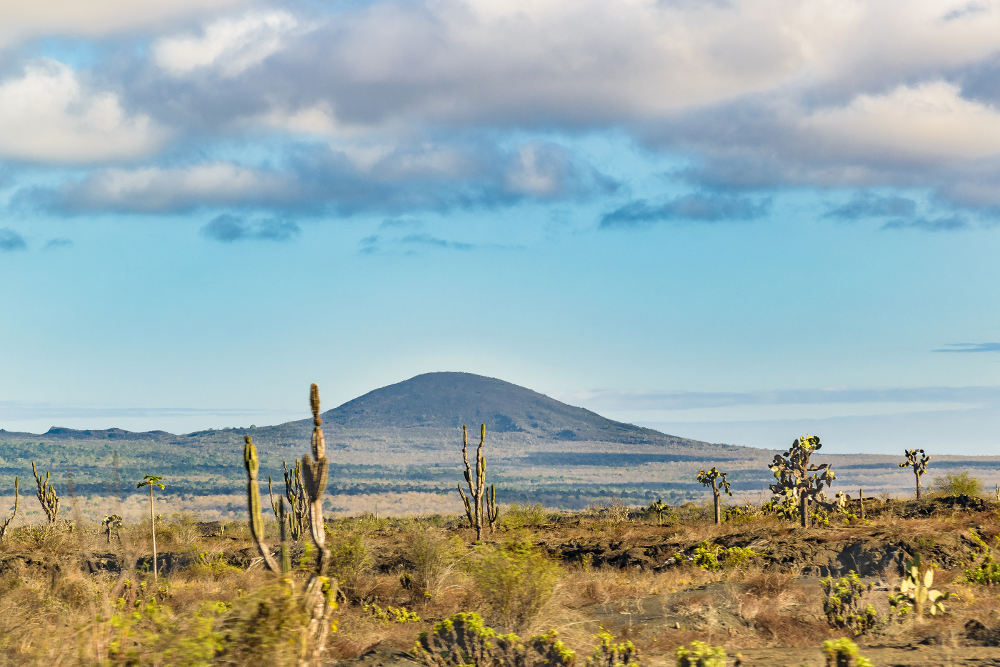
[731, 221]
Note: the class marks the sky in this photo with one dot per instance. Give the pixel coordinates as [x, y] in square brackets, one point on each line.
[733, 221]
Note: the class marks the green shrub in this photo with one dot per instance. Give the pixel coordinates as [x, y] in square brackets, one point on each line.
[514, 579]
[700, 654]
[982, 569]
[958, 484]
[517, 516]
[350, 562]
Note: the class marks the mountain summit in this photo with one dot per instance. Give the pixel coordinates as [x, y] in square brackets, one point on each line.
[448, 400]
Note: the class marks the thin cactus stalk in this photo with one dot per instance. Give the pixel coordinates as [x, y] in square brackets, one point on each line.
[791, 470]
[46, 495]
[861, 499]
[252, 464]
[918, 460]
[6, 522]
[481, 503]
[151, 481]
[318, 598]
[717, 481]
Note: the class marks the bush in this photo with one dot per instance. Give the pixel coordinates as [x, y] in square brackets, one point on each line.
[958, 484]
[700, 654]
[350, 563]
[433, 555]
[515, 580]
[517, 516]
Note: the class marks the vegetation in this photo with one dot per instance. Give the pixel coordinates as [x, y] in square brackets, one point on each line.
[959, 484]
[47, 496]
[150, 481]
[6, 522]
[717, 482]
[481, 504]
[918, 460]
[261, 591]
[792, 469]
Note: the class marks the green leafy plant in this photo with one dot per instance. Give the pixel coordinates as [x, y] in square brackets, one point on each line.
[843, 653]
[706, 556]
[843, 604]
[515, 580]
[700, 654]
[918, 460]
[391, 614]
[523, 516]
[151, 481]
[792, 472]
[717, 482]
[959, 484]
[982, 569]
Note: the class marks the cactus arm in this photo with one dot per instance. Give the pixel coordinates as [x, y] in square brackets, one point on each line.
[315, 469]
[252, 464]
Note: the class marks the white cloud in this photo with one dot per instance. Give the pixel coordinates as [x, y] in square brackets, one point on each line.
[48, 114]
[23, 20]
[152, 189]
[929, 122]
[229, 45]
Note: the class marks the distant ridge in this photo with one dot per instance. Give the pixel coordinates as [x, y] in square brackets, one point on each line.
[450, 399]
[440, 401]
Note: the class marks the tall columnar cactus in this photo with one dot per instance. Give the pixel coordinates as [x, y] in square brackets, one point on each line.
[919, 461]
[318, 597]
[297, 516]
[252, 463]
[481, 504]
[716, 480]
[792, 468]
[46, 495]
[6, 522]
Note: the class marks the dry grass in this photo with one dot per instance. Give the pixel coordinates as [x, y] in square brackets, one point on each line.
[214, 609]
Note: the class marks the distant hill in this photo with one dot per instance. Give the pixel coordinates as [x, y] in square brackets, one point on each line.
[449, 400]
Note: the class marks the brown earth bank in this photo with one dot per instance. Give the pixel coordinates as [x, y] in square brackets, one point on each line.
[752, 585]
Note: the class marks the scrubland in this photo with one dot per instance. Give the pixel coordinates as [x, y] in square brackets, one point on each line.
[71, 594]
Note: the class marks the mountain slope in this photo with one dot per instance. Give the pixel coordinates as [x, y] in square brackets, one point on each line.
[449, 400]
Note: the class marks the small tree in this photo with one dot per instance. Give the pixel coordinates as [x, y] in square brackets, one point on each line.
[792, 469]
[716, 480]
[919, 461]
[151, 481]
